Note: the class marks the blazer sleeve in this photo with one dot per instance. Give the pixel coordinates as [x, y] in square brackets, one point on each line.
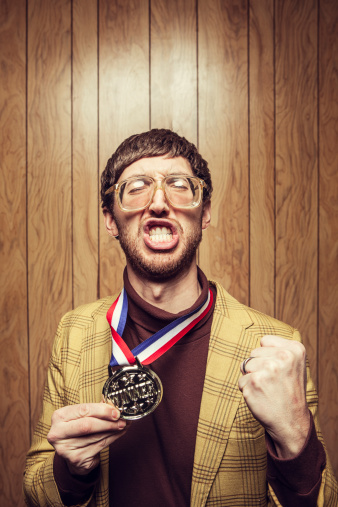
[328, 493]
[39, 485]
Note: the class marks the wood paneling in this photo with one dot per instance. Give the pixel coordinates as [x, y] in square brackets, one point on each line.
[174, 67]
[14, 393]
[262, 164]
[252, 82]
[297, 168]
[328, 226]
[124, 101]
[85, 151]
[49, 214]
[223, 139]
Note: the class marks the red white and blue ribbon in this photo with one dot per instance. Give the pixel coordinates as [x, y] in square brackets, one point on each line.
[157, 344]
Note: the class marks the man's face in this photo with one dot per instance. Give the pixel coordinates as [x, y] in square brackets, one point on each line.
[160, 241]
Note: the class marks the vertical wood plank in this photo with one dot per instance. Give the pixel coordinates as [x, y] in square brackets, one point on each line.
[124, 101]
[174, 67]
[124, 109]
[49, 181]
[85, 151]
[296, 169]
[223, 139]
[328, 228]
[14, 393]
[262, 199]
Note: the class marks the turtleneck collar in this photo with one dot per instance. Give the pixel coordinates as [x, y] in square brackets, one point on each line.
[151, 318]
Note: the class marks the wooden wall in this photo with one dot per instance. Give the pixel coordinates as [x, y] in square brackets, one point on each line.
[252, 82]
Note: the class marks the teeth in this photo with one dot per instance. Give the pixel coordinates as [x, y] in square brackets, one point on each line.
[160, 234]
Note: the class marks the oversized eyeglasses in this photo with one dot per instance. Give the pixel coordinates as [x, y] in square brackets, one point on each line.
[136, 193]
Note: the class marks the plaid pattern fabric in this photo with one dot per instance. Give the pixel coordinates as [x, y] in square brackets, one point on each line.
[230, 454]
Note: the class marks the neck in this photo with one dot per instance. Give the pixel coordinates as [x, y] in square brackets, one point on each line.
[173, 295]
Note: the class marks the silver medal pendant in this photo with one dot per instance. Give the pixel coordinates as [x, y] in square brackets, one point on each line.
[135, 390]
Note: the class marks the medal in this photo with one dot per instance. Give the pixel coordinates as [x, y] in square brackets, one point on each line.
[134, 389]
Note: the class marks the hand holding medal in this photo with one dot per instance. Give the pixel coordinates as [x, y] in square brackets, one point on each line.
[134, 389]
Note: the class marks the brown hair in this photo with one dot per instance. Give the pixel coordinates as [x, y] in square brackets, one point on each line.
[154, 143]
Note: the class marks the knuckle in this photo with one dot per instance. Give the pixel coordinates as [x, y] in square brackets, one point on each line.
[284, 355]
[257, 378]
[51, 437]
[267, 339]
[103, 443]
[75, 460]
[84, 410]
[264, 340]
[272, 369]
[300, 350]
[246, 394]
[85, 426]
[57, 416]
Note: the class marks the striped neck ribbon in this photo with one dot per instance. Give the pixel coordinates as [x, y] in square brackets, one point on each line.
[157, 344]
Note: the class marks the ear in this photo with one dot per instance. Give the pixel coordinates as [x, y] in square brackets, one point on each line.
[110, 223]
[206, 215]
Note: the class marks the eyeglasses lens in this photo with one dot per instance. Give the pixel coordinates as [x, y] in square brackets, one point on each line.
[183, 192]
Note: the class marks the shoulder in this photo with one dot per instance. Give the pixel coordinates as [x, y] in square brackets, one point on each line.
[80, 328]
[86, 314]
[84, 323]
[229, 307]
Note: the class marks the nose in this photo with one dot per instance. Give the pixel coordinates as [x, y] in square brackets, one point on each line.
[159, 203]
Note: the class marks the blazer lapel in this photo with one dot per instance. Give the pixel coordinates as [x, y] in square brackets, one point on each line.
[96, 353]
[230, 344]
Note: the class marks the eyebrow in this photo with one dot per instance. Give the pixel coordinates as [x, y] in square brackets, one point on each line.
[170, 173]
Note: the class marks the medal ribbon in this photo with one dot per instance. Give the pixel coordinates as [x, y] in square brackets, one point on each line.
[157, 344]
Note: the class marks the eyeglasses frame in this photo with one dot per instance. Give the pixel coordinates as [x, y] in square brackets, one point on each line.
[158, 185]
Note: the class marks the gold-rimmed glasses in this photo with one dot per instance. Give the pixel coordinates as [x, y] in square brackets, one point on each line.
[136, 193]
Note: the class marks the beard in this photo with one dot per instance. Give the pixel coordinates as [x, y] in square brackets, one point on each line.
[164, 264]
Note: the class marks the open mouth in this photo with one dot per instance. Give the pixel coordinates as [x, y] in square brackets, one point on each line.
[160, 234]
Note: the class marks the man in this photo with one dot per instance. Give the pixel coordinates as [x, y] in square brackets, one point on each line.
[237, 421]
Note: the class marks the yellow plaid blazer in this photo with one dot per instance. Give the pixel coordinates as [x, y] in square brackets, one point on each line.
[230, 454]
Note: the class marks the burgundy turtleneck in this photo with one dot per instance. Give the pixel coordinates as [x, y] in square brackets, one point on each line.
[154, 460]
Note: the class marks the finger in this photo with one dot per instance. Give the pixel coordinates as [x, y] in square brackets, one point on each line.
[92, 441]
[97, 410]
[243, 381]
[244, 364]
[270, 340]
[270, 344]
[88, 450]
[83, 427]
[93, 450]
[267, 351]
[105, 441]
[255, 364]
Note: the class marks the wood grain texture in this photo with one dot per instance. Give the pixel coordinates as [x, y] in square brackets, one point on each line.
[124, 102]
[129, 65]
[85, 151]
[174, 67]
[14, 393]
[49, 181]
[296, 169]
[328, 226]
[223, 140]
[261, 128]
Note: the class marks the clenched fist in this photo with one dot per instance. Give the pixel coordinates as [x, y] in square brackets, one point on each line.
[274, 387]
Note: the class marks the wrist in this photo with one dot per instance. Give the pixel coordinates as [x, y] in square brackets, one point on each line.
[82, 471]
[290, 443]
